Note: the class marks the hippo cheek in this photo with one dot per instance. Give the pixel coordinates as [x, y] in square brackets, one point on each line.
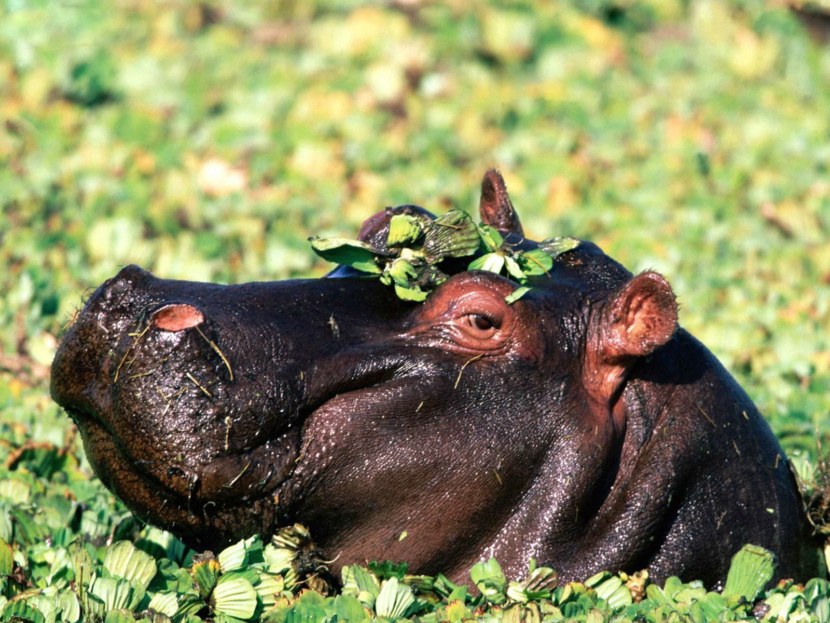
[418, 456]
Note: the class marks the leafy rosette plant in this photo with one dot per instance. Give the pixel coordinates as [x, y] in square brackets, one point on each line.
[413, 261]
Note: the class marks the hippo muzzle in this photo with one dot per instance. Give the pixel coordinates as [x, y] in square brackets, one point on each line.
[193, 395]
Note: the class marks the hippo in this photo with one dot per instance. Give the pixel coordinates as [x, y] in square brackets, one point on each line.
[579, 425]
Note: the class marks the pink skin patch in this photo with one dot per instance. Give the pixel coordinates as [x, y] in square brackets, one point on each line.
[177, 317]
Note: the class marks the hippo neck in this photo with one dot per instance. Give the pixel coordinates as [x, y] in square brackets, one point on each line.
[579, 504]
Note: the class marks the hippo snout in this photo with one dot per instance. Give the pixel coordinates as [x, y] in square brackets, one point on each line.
[84, 358]
[159, 377]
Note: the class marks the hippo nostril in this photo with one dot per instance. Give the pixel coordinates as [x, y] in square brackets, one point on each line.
[177, 317]
[132, 273]
[120, 287]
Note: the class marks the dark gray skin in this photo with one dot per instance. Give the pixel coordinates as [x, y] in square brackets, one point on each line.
[579, 425]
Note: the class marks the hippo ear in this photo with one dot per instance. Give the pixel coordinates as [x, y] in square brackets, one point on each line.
[495, 207]
[639, 318]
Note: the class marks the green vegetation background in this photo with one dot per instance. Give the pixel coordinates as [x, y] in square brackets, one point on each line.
[207, 140]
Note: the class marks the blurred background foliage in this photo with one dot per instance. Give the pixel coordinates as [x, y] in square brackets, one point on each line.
[208, 140]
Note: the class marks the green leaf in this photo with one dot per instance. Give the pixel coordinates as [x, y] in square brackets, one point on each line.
[516, 294]
[388, 569]
[189, 605]
[280, 553]
[69, 606]
[6, 526]
[819, 603]
[457, 611]
[448, 589]
[206, 573]
[123, 560]
[394, 599]
[345, 252]
[539, 584]
[349, 609]
[81, 564]
[452, 235]
[235, 597]
[401, 271]
[309, 608]
[513, 269]
[119, 616]
[22, 611]
[490, 580]
[535, 262]
[6, 559]
[614, 592]
[491, 238]
[359, 583]
[492, 262]
[403, 230]
[241, 553]
[781, 605]
[413, 293]
[712, 606]
[557, 246]
[166, 603]
[751, 570]
[115, 593]
[268, 587]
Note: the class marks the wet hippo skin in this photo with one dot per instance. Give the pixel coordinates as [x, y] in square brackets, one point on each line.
[579, 425]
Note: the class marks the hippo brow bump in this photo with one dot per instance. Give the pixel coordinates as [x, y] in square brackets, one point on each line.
[177, 317]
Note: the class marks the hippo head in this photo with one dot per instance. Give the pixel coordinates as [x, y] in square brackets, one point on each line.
[578, 425]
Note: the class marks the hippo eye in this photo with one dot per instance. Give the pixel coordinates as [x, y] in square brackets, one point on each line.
[468, 316]
[481, 322]
[481, 325]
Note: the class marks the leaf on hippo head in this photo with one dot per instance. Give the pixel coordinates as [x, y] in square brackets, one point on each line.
[557, 246]
[399, 272]
[535, 262]
[491, 238]
[491, 262]
[452, 235]
[516, 294]
[404, 230]
[417, 246]
[514, 270]
[413, 293]
[354, 253]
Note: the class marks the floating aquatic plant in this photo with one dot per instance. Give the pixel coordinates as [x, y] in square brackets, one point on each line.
[413, 260]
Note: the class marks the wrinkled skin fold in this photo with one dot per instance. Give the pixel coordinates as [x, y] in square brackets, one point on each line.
[579, 425]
